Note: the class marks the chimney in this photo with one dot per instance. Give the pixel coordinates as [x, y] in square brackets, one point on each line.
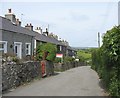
[9, 11]
[18, 23]
[39, 30]
[46, 31]
[10, 16]
[29, 27]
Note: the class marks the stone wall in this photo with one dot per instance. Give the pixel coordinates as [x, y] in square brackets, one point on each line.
[49, 68]
[14, 75]
[67, 65]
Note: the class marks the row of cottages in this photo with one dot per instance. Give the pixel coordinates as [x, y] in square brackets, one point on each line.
[22, 41]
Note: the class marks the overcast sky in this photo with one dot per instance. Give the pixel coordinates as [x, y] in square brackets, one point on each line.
[76, 22]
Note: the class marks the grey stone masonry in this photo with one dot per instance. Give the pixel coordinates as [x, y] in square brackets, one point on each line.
[67, 65]
[14, 75]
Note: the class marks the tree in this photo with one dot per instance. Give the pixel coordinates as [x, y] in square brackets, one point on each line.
[49, 48]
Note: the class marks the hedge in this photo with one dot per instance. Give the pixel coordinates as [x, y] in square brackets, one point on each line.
[106, 61]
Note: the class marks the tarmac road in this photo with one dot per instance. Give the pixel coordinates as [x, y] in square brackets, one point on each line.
[80, 81]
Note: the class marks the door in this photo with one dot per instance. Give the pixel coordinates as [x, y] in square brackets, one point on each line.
[43, 67]
[18, 49]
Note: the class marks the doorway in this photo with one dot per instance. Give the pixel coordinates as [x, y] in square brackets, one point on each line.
[18, 49]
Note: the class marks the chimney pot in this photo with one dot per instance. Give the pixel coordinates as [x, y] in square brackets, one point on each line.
[18, 22]
[30, 27]
[9, 10]
[17, 19]
[46, 30]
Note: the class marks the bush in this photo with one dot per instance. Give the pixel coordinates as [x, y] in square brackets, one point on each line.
[7, 57]
[47, 47]
[84, 55]
[68, 59]
[114, 83]
[57, 60]
[15, 59]
[106, 60]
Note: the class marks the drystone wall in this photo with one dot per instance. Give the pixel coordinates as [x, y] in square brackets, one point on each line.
[67, 65]
[14, 75]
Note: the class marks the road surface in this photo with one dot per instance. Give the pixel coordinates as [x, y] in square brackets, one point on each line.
[80, 81]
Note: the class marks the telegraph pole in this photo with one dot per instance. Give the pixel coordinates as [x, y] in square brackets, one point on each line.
[98, 39]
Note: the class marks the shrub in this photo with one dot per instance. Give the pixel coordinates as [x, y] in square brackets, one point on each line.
[15, 59]
[106, 60]
[84, 55]
[47, 47]
[57, 60]
[68, 59]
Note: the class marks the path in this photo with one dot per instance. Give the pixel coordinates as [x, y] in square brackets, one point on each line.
[80, 81]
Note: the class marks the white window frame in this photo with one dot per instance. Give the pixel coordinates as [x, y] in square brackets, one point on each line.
[29, 49]
[5, 46]
[60, 48]
[35, 43]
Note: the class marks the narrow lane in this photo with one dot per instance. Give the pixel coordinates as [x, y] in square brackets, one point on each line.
[80, 81]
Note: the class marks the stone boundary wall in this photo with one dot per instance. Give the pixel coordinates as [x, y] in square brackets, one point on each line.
[67, 65]
[14, 75]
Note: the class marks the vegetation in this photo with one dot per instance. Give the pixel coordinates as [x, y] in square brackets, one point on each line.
[7, 57]
[47, 47]
[84, 55]
[57, 60]
[106, 61]
[68, 59]
[65, 59]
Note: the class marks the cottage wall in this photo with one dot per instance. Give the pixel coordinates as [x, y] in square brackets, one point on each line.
[12, 37]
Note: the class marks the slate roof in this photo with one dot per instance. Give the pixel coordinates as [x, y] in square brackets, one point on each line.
[45, 38]
[70, 48]
[6, 24]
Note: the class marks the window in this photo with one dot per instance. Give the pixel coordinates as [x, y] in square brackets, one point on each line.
[16, 48]
[28, 48]
[60, 48]
[3, 46]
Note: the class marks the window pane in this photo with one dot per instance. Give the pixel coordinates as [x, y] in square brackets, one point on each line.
[15, 49]
[27, 46]
[1, 45]
[1, 52]
[27, 51]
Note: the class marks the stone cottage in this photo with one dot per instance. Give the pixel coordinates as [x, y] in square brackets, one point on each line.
[14, 39]
[22, 41]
